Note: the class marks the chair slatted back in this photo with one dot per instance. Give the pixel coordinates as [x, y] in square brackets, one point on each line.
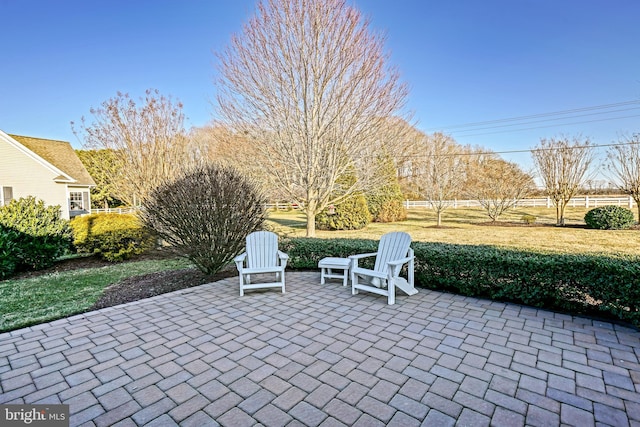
[262, 249]
[392, 246]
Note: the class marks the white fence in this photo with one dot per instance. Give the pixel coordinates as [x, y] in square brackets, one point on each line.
[582, 201]
[115, 210]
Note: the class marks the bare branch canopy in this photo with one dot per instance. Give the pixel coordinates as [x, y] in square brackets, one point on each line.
[308, 84]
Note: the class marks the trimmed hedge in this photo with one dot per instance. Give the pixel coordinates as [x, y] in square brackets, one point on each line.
[596, 285]
[114, 237]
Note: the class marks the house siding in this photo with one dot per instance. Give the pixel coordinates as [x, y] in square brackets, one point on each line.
[29, 177]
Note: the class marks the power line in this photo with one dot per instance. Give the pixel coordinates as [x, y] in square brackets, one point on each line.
[531, 150]
[553, 119]
[549, 114]
[550, 126]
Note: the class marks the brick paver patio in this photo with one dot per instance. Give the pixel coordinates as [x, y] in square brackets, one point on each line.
[319, 356]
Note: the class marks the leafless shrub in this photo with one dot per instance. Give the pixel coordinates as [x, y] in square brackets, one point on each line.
[206, 214]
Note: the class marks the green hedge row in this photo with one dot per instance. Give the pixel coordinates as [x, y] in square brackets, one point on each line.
[114, 237]
[597, 285]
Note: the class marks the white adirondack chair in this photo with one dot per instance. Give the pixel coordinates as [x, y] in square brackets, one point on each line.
[261, 256]
[394, 251]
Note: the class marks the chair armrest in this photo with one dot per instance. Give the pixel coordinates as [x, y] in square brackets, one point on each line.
[398, 262]
[354, 258]
[239, 260]
[283, 259]
[363, 255]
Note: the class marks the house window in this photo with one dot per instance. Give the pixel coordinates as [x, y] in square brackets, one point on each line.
[6, 196]
[76, 201]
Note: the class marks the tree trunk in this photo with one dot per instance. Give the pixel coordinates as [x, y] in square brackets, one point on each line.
[439, 217]
[310, 210]
[311, 225]
[559, 214]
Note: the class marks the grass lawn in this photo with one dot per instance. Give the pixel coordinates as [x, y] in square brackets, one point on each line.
[25, 302]
[469, 226]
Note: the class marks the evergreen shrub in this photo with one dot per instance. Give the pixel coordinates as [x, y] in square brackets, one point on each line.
[38, 234]
[112, 236]
[609, 218]
[350, 214]
[386, 202]
[8, 253]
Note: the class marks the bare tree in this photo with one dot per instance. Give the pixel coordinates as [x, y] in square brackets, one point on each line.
[148, 142]
[497, 184]
[563, 165]
[307, 83]
[442, 172]
[624, 162]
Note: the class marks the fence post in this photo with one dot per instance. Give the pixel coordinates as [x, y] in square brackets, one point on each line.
[548, 202]
[630, 202]
[586, 201]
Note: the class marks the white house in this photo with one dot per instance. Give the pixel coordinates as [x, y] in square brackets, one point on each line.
[46, 169]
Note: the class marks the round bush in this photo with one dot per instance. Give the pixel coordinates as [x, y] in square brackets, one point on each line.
[351, 214]
[39, 235]
[206, 214]
[114, 237]
[609, 218]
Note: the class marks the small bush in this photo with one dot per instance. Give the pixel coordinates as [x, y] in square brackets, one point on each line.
[206, 215]
[609, 218]
[39, 236]
[114, 237]
[528, 219]
[351, 214]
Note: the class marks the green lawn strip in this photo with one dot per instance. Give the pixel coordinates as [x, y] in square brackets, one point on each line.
[41, 299]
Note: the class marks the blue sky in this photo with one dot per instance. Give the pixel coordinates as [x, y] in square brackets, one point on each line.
[466, 61]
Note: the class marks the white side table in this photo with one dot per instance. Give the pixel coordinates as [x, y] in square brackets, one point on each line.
[328, 265]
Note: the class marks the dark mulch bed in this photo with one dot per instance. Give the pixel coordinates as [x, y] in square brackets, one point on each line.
[137, 287]
[152, 284]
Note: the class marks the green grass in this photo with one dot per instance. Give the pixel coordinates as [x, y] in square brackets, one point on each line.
[26, 302]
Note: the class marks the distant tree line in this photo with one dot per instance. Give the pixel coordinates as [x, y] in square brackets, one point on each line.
[309, 109]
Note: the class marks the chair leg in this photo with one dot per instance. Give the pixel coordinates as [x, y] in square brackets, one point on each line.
[282, 279]
[241, 285]
[391, 289]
